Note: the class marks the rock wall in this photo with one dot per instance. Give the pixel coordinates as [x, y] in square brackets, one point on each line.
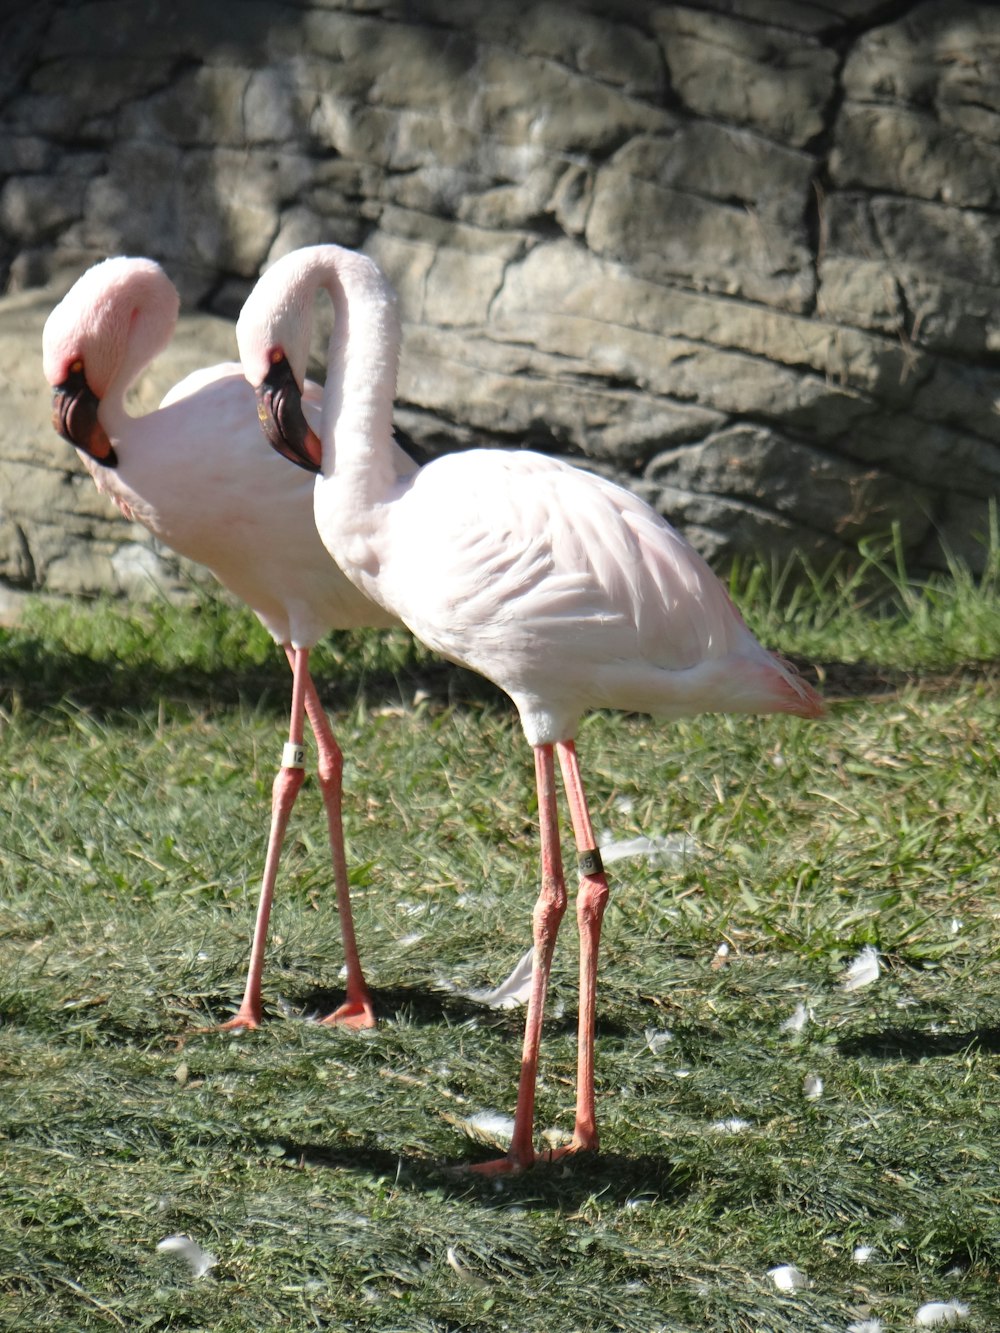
[743, 254]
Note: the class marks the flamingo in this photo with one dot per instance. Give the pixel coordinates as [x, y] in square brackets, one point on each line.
[197, 474]
[562, 588]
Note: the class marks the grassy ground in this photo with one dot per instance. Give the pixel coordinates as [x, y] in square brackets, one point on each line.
[318, 1165]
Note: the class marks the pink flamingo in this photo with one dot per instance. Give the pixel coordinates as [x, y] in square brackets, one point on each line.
[565, 590]
[198, 475]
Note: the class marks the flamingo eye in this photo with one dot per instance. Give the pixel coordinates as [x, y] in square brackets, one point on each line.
[275, 355]
[76, 366]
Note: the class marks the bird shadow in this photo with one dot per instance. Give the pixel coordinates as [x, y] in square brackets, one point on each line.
[37, 674]
[570, 1181]
[915, 1044]
[414, 1006]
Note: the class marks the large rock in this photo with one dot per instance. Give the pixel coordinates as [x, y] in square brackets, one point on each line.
[741, 255]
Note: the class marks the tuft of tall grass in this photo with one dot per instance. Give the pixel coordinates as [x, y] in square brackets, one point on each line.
[870, 607]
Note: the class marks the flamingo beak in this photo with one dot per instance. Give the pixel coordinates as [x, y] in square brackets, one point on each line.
[74, 417]
[279, 407]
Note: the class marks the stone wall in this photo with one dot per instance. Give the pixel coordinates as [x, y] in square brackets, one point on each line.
[743, 254]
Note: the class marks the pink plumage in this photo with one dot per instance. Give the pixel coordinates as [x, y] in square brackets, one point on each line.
[565, 590]
[198, 474]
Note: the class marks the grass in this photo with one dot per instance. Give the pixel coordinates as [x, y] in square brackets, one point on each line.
[138, 748]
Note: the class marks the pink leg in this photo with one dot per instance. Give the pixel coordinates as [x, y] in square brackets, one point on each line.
[287, 782]
[356, 1011]
[591, 901]
[548, 913]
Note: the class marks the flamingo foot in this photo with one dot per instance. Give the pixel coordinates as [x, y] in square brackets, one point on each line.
[244, 1020]
[356, 1012]
[570, 1150]
[501, 1166]
[514, 1163]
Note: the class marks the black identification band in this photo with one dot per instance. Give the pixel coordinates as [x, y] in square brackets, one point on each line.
[590, 863]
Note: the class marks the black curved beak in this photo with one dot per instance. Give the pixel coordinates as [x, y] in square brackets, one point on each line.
[279, 407]
[74, 416]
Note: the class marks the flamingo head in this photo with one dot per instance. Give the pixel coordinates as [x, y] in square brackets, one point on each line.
[106, 329]
[273, 333]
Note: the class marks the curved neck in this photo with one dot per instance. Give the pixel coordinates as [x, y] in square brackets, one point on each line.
[146, 334]
[362, 361]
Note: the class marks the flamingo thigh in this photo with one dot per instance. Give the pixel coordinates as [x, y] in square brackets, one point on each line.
[286, 786]
[591, 901]
[549, 910]
[356, 1011]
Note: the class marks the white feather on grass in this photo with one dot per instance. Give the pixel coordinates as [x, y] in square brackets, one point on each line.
[797, 1021]
[734, 1125]
[465, 1274]
[672, 850]
[940, 1312]
[657, 1038]
[812, 1087]
[510, 994]
[488, 1127]
[190, 1251]
[864, 970]
[862, 1253]
[865, 1326]
[786, 1277]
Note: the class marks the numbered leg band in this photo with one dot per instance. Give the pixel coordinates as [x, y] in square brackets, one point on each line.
[293, 756]
[590, 863]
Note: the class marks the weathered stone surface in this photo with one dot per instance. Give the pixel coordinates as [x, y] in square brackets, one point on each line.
[716, 208]
[777, 82]
[743, 254]
[820, 492]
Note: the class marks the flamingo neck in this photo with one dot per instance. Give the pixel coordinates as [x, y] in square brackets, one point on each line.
[147, 333]
[362, 361]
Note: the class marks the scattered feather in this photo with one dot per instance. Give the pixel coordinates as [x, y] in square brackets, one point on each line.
[734, 1125]
[657, 1038]
[862, 1253]
[190, 1251]
[555, 1137]
[786, 1277]
[488, 1127]
[408, 941]
[940, 1312]
[863, 970]
[720, 957]
[865, 1326]
[812, 1087]
[672, 850]
[466, 1274]
[510, 993]
[797, 1021]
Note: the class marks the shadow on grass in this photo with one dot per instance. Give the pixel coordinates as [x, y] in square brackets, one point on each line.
[839, 682]
[425, 1007]
[36, 677]
[412, 1006]
[566, 1183]
[914, 1045]
[35, 673]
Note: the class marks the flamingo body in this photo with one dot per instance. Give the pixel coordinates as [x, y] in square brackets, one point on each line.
[565, 590]
[199, 476]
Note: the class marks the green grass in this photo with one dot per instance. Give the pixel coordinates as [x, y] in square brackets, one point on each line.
[138, 748]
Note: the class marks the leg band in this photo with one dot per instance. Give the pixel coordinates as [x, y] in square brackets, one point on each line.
[589, 862]
[293, 756]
